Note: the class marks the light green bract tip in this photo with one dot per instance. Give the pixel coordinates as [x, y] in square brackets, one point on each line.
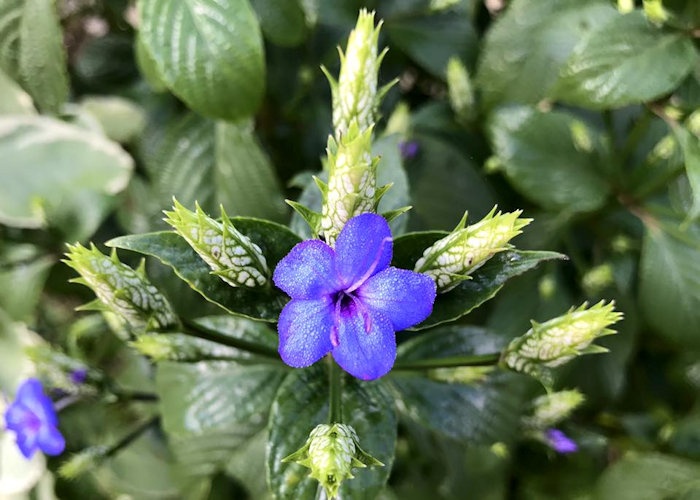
[355, 94]
[231, 255]
[552, 408]
[559, 340]
[331, 452]
[120, 289]
[452, 259]
[460, 90]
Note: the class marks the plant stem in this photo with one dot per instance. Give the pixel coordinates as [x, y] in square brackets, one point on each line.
[335, 414]
[451, 362]
[131, 437]
[194, 329]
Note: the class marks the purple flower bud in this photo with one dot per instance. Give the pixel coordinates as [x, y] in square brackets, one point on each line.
[409, 149]
[560, 442]
[78, 376]
[32, 417]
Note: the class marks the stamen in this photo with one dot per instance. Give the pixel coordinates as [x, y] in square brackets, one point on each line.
[371, 269]
[366, 318]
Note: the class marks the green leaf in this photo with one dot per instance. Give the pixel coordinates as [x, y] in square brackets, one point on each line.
[431, 40]
[669, 288]
[543, 158]
[148, 68]
[121, 119]
[648, 476]
[283, 23]
[264, 303]
[208, 52]
[626, 61]
[485, 412]
[23, 271]
[42, 58]
[10, 18]
[14, 100]
[215, 163]
[525, 48]
[209, 409]
[690, 145]
[469, 294]
[448, 341]
[245, 179]
[53, 170]
[301, 404]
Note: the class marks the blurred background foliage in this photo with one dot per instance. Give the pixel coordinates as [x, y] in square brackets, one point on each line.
[584, 113]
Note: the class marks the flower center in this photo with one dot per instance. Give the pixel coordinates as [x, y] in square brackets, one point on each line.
[347, 307]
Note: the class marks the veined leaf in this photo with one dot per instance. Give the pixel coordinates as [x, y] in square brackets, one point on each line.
[53, 170]
[649, 476]
[208, 52]
[690, 145]
[301, 404]
[525, 48]
[669, 288]
[263, 303]
[215, 163]
[555, 146]
[209, 409]
[469, 294]
[483, 412]
[625, 61]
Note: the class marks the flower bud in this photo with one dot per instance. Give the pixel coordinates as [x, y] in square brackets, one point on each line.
[120, 289]
[451, 259]
[231, 255]
[355, 95]
[554, 407]
[331, 452]
[559, 340]
[83, 462]
[460, 90]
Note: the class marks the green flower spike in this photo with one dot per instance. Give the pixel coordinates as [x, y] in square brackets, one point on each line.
[231, 255]
[552, 408]
[331, 452]
[559, 340]
[120, 289]
[352, 181]
[450, 260]
[355, 94]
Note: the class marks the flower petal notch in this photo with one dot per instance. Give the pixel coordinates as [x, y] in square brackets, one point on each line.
[348, 301]
[32, 417]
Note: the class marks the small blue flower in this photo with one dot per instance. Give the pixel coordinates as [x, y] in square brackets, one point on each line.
[409, 149]
[348, 301]
[78, 376]
[560, 442]
[31, 416]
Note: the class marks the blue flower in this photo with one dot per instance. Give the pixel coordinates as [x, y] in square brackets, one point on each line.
[560, 442]
[348, 301]
[33, 419]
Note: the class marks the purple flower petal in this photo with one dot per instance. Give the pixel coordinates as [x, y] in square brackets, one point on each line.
[27, 443]
[50, 440]
[32, 417]
[363, 249]
[367, 344]
[305, 331]
[560, 442]
[405, 297]
[18, 416]
[308, 271]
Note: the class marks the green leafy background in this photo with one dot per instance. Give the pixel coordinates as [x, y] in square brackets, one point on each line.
[585, 116]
